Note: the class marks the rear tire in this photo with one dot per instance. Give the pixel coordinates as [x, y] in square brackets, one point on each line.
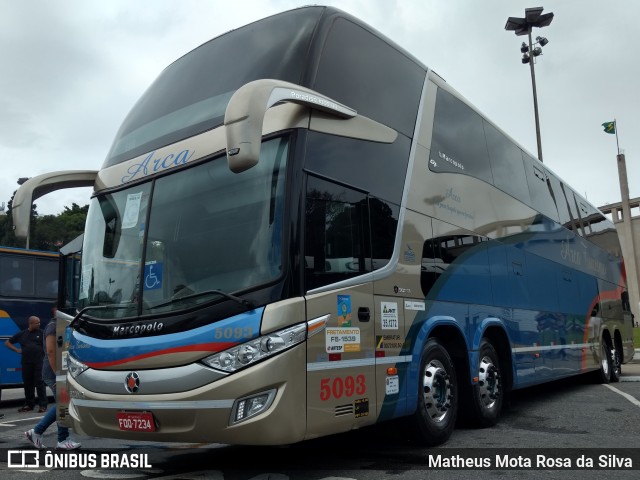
[435, 418]
[487, 395]
[616, 364]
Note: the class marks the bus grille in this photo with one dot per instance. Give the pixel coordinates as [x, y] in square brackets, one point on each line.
[344, 410]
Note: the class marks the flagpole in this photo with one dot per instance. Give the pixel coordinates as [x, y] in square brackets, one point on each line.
[615, 127]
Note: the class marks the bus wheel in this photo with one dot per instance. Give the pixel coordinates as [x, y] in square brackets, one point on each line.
[616, 365]
[603, 374]
[437, 395]
[487, 394]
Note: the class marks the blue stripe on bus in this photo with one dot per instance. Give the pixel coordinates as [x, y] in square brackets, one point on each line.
[218, 336]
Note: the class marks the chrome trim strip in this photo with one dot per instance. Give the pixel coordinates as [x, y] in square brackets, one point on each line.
[166, 405]
[329, 365]
[552, 347]
[398, 359]
[152, 382]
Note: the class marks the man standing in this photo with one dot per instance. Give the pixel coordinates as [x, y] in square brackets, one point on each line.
[30, 341]
[49, 374]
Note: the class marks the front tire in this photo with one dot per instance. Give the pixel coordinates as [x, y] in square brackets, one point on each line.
[603, 374]
[435, 417]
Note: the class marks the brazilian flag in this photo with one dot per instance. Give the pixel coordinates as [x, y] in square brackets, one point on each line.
[609, 127]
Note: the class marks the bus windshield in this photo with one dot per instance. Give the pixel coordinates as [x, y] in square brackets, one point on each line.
[186, 238]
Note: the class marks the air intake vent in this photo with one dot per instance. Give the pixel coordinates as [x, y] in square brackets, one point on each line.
[342, 410]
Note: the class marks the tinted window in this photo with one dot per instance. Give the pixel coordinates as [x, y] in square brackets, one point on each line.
[16, 276]
[190, 96]
[562, 201]
[46, 278]
[336, 233]
[455, 268]
[377, 168]
[22, 276]
[540, 190]
[458, 143]
[506, 164]
[366, 73]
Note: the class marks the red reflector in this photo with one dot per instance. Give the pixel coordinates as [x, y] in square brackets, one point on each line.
[335, 357]
[392, 371]
[379, 353]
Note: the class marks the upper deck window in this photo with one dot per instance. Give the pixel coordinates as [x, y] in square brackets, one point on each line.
[191, 95]
[458, 144]
[364, 72]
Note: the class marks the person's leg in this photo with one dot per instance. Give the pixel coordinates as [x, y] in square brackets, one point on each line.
[29, 386]
[41, 388]
[45, 422]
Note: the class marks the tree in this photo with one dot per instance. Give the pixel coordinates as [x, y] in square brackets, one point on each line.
[47, 232]
[53, 231]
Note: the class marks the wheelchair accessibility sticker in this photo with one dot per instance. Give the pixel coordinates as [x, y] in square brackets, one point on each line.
[153, 275]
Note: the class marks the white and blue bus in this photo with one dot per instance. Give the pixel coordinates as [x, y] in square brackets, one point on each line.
[28, 286]
[300, 230]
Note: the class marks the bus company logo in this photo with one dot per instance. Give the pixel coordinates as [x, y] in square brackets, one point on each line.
[136, 329]
[152, 165]
[450, 160]
[398, 289]
[132, 382]
[23, 459]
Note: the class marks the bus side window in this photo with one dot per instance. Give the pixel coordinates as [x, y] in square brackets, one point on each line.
[337, 238]
[16, 276]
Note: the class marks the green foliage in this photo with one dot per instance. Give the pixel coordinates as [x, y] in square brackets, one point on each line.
[47, 232]
[636, 337]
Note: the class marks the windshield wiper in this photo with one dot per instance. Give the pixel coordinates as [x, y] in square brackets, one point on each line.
[78, 316]
[241, 301]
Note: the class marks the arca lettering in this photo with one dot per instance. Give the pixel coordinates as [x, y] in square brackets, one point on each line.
[152, 165]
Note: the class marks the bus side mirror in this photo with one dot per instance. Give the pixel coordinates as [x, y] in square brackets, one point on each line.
[36, 187]
[245, 113]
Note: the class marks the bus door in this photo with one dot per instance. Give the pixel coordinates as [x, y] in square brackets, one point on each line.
[341, 383]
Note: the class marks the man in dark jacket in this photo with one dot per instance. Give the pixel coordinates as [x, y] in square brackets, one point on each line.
[30, 341]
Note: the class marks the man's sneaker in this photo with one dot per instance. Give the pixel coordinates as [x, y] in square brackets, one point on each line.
[68, 445]
[35, 438]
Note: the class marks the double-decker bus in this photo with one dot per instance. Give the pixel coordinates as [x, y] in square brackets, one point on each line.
[28, 286]
[302, 230]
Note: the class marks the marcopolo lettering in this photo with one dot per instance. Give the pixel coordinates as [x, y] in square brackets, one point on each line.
[152, 165]
[136, 329]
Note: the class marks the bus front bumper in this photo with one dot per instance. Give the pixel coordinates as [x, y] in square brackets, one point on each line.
[205, 414]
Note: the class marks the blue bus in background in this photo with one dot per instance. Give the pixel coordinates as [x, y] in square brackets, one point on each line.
[28, 286]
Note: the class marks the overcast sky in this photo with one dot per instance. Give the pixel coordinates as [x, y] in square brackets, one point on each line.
[72, 69]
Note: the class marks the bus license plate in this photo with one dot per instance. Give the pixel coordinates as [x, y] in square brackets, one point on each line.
[136, 421]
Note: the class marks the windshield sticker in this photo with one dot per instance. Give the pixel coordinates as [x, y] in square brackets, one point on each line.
[342, 340]
[131, 210]
[152, 275]
[85, 282]
[344, 310]
[389, 315]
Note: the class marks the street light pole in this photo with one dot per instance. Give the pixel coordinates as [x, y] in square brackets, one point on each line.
[533, 17]
[535, 99]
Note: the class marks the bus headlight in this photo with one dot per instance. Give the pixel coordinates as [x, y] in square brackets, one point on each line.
[75, 367]
[257, 349]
